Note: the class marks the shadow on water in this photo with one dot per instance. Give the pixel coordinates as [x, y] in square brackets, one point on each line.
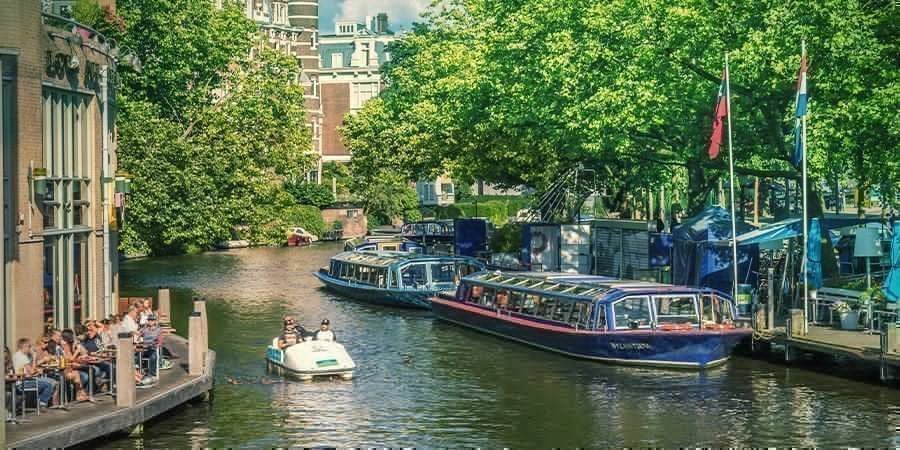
[426, 383]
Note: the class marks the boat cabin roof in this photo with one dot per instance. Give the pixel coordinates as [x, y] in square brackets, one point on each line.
[578, 286]
[384, 258]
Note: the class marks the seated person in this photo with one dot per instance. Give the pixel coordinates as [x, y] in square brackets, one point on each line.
[150, 337]
[94, 344]
[73, 353]
[324, 333]
[24, 363]
[289, 335]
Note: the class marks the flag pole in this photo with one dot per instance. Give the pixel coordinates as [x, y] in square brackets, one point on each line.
[731, 173]
[805, 213]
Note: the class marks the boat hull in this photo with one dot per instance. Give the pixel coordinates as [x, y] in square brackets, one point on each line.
[690, 349]
[310, 359]
[404, 298]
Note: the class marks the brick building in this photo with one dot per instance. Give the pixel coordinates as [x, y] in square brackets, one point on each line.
[350, 74]
[57, 115]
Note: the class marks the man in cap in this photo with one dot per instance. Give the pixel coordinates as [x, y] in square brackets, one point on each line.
[324, 333]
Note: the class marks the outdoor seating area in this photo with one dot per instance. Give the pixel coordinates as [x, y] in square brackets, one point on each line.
[66, 367]
[70, 377]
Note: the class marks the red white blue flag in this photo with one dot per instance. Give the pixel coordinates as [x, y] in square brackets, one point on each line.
[718, 128]
[802, 104]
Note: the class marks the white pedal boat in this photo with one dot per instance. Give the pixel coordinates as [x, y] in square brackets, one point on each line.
[309, 359]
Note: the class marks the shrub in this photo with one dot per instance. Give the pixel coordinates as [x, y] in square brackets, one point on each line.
[507, 239]
[273, 233]
[317, 195]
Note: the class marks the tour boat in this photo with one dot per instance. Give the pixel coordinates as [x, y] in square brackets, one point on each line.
[395, 278]
[598, 318]
[308, 359]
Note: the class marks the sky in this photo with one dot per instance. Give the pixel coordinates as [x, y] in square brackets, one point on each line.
[401, 12]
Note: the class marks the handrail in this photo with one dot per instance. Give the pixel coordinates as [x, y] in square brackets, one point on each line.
[103, 39]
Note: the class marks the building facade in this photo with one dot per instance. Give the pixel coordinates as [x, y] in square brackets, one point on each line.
[292, 26]
[57, 112]
[350, 75]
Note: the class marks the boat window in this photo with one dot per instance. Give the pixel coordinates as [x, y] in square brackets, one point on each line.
[531, 304]
[716, 309]
[390, 247]
[581, 314]
[502, 299]
[488, 297]
[676, 309]
[394, 281]
[382, 278]
[632, 312]
[547, 306]
[414, 275]
[477, 293]
[601, 317]
[517, 301]
[443, 273]
[563, 310]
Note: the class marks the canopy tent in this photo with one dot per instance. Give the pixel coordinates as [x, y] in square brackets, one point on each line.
[700, 256]
[790, 228]
[892, 282]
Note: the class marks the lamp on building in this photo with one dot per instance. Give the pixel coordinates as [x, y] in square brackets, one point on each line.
[867, 245]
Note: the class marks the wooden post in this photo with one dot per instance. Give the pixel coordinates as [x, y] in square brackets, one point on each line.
[196, 350]
[164, 306]
[798, 319]
[770, 305]
[125, 370]
[200, 307]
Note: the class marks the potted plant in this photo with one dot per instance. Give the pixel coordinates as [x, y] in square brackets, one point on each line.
[849, 317]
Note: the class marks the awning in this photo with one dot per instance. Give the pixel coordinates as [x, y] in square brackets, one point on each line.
[790, 228]
[892, 282]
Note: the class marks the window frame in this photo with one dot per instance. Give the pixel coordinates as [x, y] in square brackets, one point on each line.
[658, 316]
[651, 320]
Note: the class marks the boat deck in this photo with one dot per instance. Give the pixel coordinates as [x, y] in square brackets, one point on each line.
[86, 421]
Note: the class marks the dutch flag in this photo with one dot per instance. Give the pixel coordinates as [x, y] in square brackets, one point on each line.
[802, 104]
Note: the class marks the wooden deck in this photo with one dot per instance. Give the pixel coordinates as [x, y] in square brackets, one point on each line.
[86, 421]
[831, 341]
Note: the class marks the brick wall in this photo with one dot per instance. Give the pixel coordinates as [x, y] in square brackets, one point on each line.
[335, 104]
[353, 227]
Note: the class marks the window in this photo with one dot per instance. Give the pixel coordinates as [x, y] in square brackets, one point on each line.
[361, 93]
[337, 60]
[601, 318]
[446, 188]
[632, 312]
[531, 304]
[414, 275]
[68, 149]
[677, 310]
[715, 309]
[443, 273]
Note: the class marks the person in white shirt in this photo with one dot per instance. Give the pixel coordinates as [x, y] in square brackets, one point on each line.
[129, 322]
[324, 333]
[23, 364]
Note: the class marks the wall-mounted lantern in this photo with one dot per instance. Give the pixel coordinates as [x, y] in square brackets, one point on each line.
[39, 180]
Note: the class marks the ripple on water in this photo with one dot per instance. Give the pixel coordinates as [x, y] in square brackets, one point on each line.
[426, 383]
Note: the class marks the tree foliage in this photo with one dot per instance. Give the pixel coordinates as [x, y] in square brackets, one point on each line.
[318, 195]
[520, 91]
[207, 132]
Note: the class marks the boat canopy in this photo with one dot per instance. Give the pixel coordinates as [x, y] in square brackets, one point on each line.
[584, 287]
[389, 258]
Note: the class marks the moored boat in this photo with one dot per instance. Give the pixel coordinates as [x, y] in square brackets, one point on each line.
[598, 318]
[395, 278]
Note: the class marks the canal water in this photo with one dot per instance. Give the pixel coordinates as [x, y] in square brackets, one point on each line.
[423, 383]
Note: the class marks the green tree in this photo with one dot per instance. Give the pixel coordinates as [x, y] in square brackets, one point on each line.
[318, 195]
[208, 138]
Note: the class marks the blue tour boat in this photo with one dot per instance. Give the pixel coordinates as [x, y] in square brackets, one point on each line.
[598, 318]
[395, 278]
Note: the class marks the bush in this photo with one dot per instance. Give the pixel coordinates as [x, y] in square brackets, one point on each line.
[507, 239]
[317, 195]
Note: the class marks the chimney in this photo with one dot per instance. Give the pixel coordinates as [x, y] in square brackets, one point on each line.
[382, 26]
